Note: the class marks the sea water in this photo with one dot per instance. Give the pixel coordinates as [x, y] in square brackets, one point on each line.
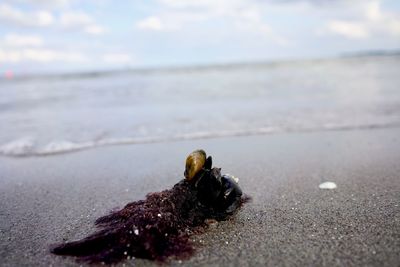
[51, 114]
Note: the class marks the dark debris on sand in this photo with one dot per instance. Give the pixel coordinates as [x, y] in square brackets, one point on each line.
[156, 228]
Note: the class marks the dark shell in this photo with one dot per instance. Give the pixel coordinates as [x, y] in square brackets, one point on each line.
[221, 193]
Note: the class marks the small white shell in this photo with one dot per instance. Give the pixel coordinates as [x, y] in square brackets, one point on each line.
[327, 185]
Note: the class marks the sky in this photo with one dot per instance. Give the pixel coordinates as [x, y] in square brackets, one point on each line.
[78, 35]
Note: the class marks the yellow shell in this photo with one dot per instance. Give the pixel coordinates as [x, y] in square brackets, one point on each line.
[194, 163]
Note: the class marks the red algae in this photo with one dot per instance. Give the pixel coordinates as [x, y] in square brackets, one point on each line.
[159, 227]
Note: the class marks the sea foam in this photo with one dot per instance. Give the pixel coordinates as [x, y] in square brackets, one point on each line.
[20, 147]
[25, 147]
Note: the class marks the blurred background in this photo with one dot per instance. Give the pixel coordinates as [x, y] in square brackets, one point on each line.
[80, 74]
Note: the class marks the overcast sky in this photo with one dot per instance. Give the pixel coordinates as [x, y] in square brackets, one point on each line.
[72, 35]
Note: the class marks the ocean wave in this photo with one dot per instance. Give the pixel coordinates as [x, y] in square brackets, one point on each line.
[20, 147]
[27, 147]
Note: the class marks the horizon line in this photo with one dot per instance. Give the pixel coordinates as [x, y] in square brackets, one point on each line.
[196, 66]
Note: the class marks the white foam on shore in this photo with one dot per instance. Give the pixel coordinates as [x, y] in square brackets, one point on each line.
[25, 147]
[63, 147]
[20, 147]
[328, 185]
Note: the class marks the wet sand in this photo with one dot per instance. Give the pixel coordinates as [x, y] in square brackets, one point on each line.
[45, 200]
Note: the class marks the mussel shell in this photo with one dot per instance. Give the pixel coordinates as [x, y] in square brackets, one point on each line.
[194, 163]
[209, 187]
[219, 192]
[229, 200]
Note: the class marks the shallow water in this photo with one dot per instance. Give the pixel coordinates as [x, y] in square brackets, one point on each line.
[47, 115]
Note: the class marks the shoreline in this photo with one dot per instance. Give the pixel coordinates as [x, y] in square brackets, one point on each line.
[26, 147]
[290, 221]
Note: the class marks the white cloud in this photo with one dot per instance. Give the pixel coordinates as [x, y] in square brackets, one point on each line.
[212, 7]
[79, 20]
[393, 27]
[16, 48]
[95, 29]
[373, 11]
[240, 15]
[151, 23]
[39, 55]
[75, 19]
[16, 16]
[47, 3]
[13, 40]
[117, 58]
[188, 4]
[48, 55]
[351, 30]
[44, 18]
[10, 56]
[169, 21]
[373, 22]
[71, 20]
[20, 48]
[207, 9]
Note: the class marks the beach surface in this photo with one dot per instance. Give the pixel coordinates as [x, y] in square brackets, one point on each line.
[290, 221]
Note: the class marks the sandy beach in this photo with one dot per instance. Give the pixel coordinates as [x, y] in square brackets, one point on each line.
[290, 222]
[101, 102]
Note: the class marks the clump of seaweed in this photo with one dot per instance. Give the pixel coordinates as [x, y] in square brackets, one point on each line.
[160, 226]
